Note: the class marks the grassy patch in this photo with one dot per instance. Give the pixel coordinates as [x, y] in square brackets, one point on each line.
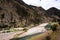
[54, 27]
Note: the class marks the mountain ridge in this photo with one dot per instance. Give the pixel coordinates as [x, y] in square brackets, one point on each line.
[15, 13]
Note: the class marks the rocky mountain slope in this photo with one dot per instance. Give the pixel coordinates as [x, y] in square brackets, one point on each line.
[15, 13]
[54, 13]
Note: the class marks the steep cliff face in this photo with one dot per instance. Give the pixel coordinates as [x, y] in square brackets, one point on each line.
[15, 13]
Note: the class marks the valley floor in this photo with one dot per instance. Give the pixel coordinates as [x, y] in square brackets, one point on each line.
[32, 31]
[9, 35]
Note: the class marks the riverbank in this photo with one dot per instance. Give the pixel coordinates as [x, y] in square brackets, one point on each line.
[38, 29]
[42, 36]
[7, 36]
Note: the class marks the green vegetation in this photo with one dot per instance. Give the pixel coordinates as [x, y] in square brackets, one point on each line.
[6, 31]
[25, 29]
[4, 27]
[11, 30]
[58, 21]
[54, 27]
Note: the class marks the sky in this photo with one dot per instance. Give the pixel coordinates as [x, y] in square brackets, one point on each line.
[46, 4]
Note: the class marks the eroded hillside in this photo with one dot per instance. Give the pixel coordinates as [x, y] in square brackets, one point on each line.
[15, 13]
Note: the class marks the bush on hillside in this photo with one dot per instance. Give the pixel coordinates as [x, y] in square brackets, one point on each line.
[54, 27]
[25, 29]
[58, 21]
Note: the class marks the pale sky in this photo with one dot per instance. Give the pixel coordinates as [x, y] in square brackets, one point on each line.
[46, 4]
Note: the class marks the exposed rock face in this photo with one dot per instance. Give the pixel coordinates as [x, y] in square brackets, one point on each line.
[15, 13]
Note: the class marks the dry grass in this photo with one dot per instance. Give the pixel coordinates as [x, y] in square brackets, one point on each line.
[52, 23]
[41, 36]
[55, 35]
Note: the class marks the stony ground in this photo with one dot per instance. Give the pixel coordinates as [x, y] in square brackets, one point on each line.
[7, 36]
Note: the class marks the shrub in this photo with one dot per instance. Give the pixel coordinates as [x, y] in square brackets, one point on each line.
[58, 20]
[6, 31]
[59, 23]
[54, 27]
[25, 29]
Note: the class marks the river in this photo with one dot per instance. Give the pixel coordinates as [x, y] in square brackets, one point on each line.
[26, 37]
